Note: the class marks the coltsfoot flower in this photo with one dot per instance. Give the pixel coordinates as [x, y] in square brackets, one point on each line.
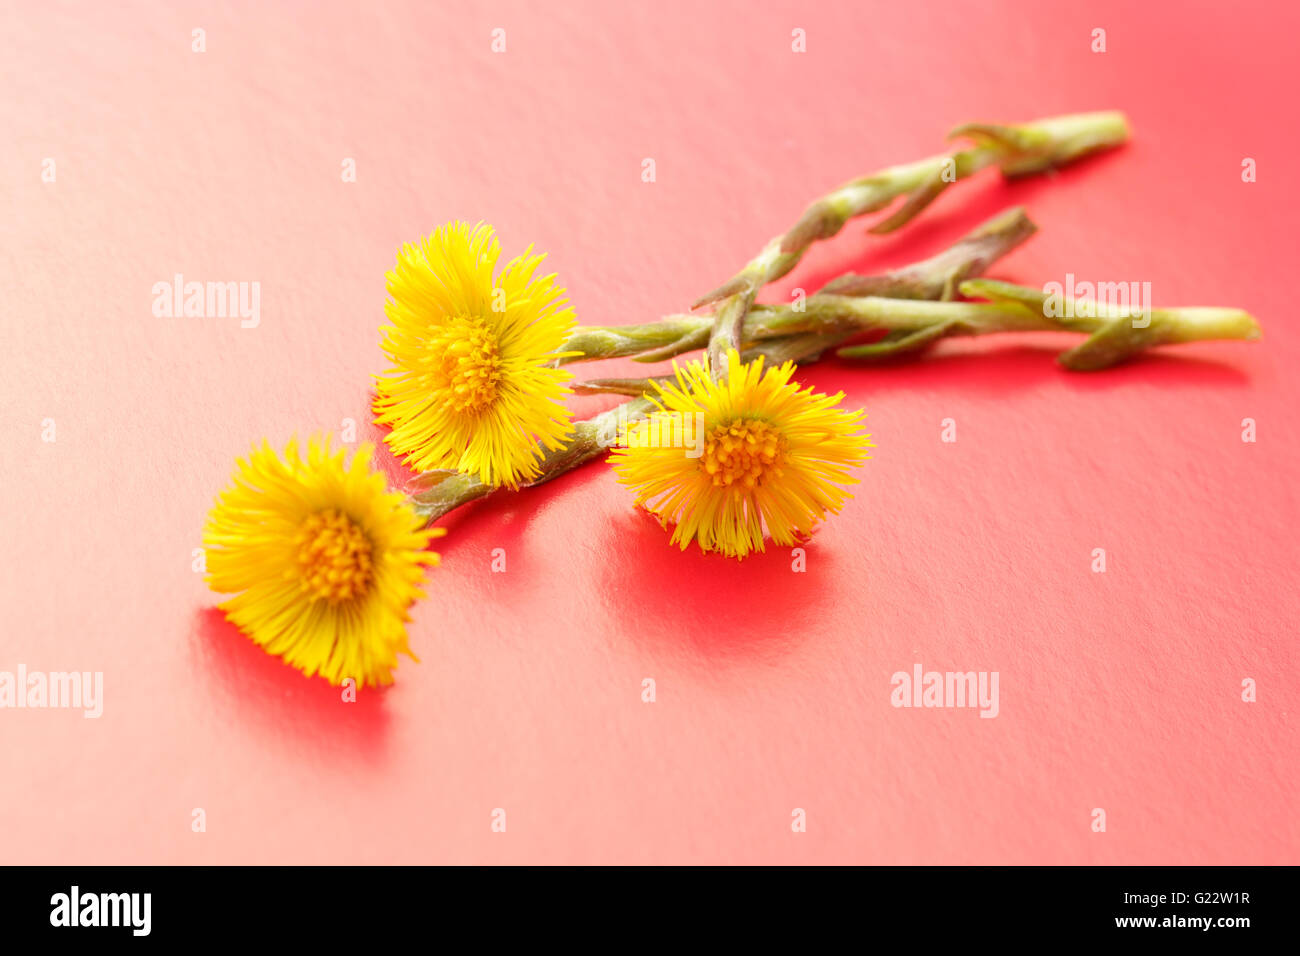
[473, 385]
[768, 458]
[322, 559]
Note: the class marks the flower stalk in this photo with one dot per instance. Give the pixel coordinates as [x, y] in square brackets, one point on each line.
[912, 324]
[1115, 335]
[435, 493]
[1018, 150]
[935, 278]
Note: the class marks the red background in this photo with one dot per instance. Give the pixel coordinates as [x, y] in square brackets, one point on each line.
[1118, 690]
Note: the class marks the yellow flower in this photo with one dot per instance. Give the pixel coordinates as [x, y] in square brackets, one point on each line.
[471, 387]
[726, 461]
[322, 559]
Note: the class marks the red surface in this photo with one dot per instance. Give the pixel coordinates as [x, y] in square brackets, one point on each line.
[1118, 690]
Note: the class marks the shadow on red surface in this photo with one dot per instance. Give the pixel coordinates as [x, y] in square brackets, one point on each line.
[281, 701]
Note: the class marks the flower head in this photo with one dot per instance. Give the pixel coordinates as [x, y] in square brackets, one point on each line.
[762, 456]
[473, 386]
[323, 561]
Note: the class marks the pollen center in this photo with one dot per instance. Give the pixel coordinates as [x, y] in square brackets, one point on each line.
[742, 454]
[334, 556]
[464, 364]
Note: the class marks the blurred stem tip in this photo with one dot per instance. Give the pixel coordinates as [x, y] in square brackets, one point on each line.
[1116, 333]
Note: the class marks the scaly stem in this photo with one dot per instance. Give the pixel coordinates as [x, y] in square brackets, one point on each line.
[933, 278]
[1116, 333]
[434, 493]
[1018, 150]
[781, 333]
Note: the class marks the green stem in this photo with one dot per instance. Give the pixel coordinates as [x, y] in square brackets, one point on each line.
[785, 332]
[1116, 333]
[1018, 150]
[434, 493]
[933, 278]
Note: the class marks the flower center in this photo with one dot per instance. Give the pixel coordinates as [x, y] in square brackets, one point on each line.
[333, 556]
[743, 453]
[464, 363]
